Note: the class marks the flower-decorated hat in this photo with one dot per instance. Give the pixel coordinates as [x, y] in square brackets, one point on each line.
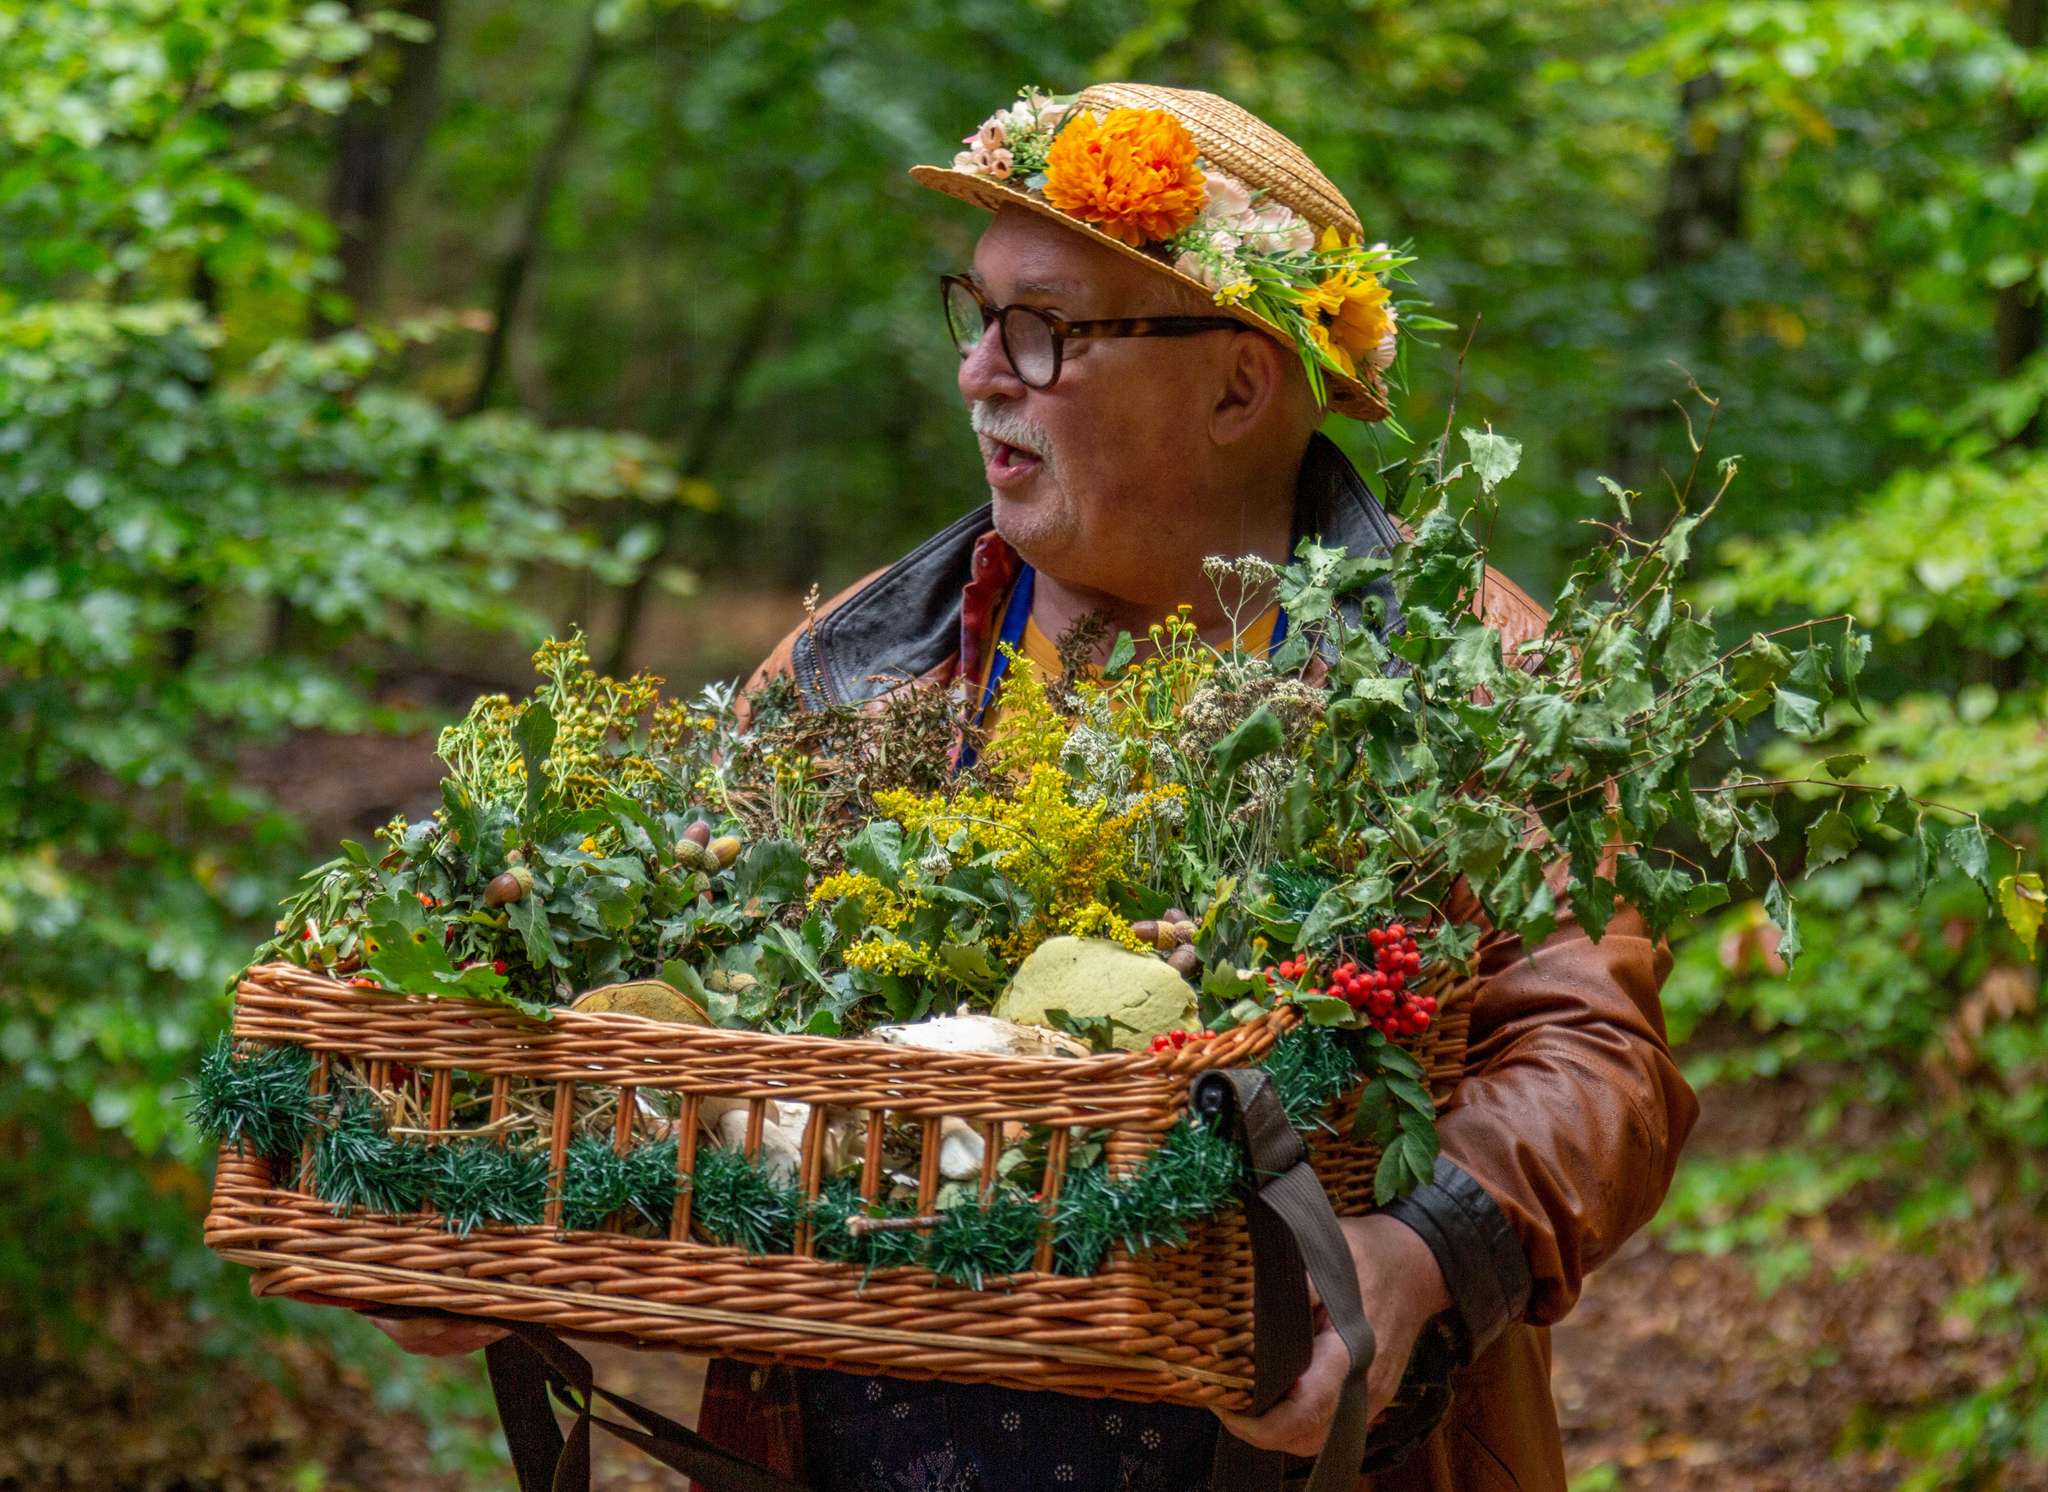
[1210, 195]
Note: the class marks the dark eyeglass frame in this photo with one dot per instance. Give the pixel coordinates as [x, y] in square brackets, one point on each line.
[1061, 329]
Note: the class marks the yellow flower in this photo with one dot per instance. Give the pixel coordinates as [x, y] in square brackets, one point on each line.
[1348, 310]
[1132, 174]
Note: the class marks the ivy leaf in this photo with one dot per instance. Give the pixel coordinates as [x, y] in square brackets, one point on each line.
[1831, 838]
[1494, 457]
[1972, 856]
[2023, 902]
[1778, 903]
[1260, 733]
[636, 826]
[1098, 1032]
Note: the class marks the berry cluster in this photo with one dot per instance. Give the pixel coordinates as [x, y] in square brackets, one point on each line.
[1379, 990]
[1288, 968]
[1173, 1041]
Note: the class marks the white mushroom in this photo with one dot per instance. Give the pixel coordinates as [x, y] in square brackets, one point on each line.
[982, 1033]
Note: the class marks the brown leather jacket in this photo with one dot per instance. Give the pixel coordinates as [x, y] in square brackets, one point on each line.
[1562, 1139]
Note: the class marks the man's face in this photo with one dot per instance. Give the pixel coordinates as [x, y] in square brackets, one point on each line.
[1093, 475]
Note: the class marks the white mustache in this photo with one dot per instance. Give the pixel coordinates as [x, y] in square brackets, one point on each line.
[998, 422]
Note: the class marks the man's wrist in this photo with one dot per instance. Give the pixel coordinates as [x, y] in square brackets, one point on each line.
[1396, 1268]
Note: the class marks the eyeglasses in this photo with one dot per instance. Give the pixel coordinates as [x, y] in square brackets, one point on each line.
[1034, 340]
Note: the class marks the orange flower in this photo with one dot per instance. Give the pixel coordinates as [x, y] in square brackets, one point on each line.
[1132, 174]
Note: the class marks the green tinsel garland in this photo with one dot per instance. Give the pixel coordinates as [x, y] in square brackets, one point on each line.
[478, 1181]
[1311, 1068]
[597, 1181]
[736, 1202]
[1193, 1174]
[262, 1099]
[357, 1165]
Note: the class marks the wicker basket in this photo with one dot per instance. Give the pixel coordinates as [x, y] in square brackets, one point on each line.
[1167, 1325]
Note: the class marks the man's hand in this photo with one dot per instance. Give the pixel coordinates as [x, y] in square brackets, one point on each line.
[433, 1338]
[1401, 1286]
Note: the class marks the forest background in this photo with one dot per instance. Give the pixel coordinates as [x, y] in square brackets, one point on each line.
[346, 351]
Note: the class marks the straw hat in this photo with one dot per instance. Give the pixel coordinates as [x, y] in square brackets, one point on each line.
[1231, 140]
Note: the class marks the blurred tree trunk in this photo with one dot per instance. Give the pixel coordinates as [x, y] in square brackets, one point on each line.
[1701, 215]
[2020, 332]
[514, 269]
[375, 150]
[706, 431]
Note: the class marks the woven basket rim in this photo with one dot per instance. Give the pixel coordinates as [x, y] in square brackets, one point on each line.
[1182, 1062]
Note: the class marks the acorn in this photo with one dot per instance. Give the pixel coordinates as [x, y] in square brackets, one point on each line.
[508, 887]
[1184, 961]
[1146, 932]
[698, 833]
[692, 855]
[724, 850]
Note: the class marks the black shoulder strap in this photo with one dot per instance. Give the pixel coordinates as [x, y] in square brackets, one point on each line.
[534, 1362]
[1295, 1239]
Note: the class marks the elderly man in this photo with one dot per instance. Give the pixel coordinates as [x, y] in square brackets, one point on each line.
[1139, 410]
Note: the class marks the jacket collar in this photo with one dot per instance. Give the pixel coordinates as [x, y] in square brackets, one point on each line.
[910, 620]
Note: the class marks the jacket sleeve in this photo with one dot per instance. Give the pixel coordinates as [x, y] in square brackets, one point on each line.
[1562, 1138]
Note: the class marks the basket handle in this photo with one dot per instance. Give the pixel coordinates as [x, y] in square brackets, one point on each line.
[1295, 1239]
[533, 1362]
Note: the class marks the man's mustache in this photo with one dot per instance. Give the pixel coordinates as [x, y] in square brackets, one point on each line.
[999, 422]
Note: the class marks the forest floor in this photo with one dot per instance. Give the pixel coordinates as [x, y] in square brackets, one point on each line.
[1676, 1370]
